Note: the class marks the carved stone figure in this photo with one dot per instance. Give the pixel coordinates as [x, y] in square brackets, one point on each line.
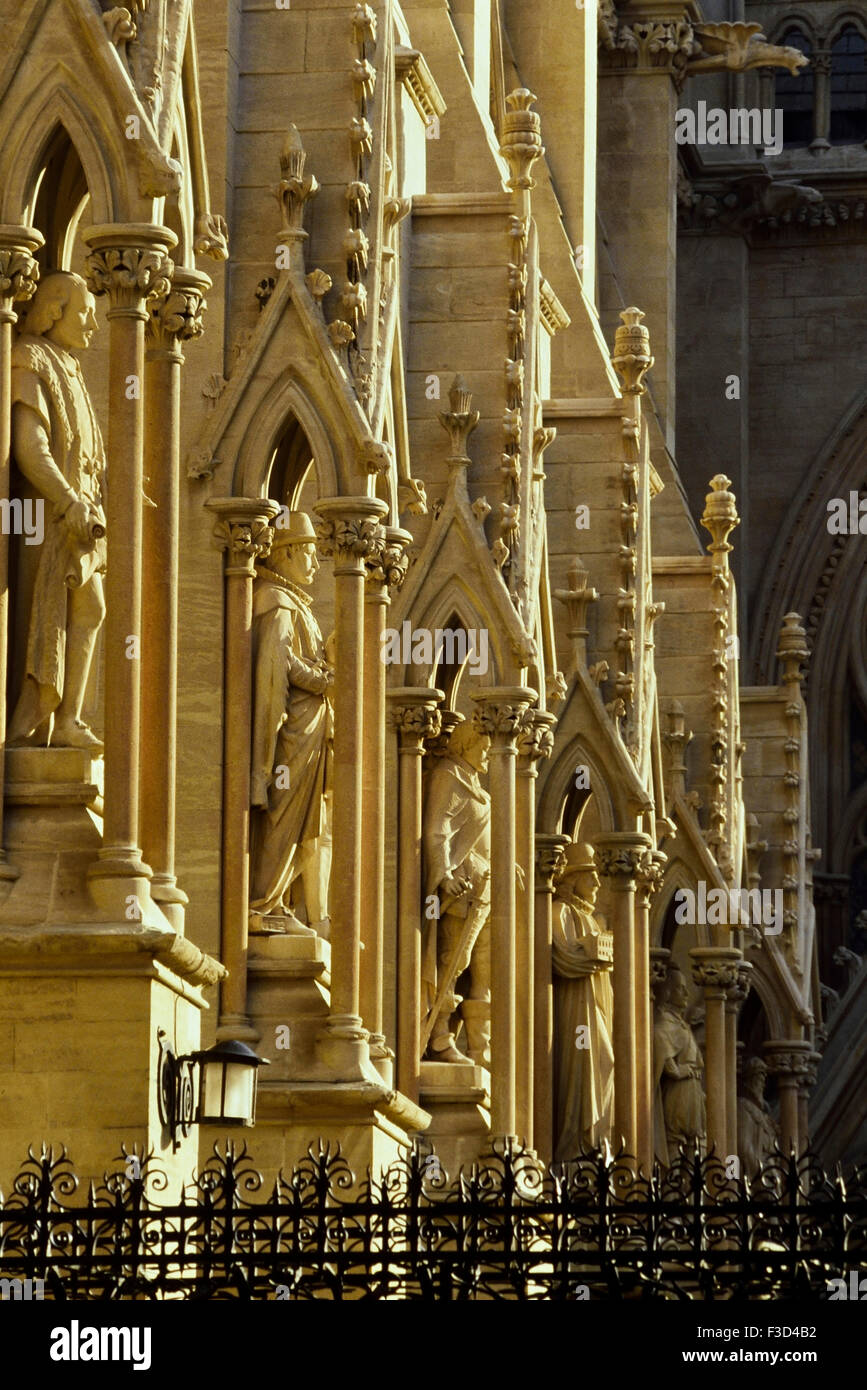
[584, 1056]
[757, 1133]
[458, 866]
[290, 834]
[57, 445]
[678, 1068]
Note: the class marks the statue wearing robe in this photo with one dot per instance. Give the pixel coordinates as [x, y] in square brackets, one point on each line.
[678, 1068]
[584, 1004]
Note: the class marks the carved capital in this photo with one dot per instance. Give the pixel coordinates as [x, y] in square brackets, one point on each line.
[660, 959]
[176, 316]
[500, 713]
[414, 712]
[19, 271]
[243, 530]
[651, 872]
[550, 858]
[620, 855]
[740, 989]
[664, 45]
[388, 562]
[129, 264]
[792, 1062]
[350, 530]
[715, 969]
[536, 736]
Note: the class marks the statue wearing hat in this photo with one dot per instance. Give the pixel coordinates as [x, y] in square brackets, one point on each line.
[290, 834]
[583, 1055]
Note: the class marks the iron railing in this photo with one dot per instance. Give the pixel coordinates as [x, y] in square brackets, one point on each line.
[507, 1229]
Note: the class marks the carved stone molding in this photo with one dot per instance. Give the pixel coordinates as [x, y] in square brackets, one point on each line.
[648, 45]
[129, 263]
[790, 1060]
[243, 530]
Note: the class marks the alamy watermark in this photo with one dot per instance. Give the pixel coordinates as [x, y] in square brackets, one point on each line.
[23, 518]
[741, 126]
[425, 646]
[730, 907]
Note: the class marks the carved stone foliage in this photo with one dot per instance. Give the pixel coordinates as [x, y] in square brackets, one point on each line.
[415, 721]
[178, 315]
[129, 274]
[349, 538]
[19, 274]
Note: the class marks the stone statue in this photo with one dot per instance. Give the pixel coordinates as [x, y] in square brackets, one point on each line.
[679, 1109]
[583, 1009]
[757, 1133]
[57, 445]
[290, 833]
[458, 866]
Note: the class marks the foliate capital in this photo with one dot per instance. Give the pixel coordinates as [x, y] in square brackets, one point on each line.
[500, 712]
[414, 712]
[350, 529]
[243, 530]
[715, 969]
[389, 563]
[791, 1060]
[19, 271]
[129, 263]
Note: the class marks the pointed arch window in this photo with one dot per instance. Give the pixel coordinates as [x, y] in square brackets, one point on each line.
[849, 87]
[794, 93]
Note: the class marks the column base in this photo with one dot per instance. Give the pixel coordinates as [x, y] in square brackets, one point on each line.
[172, 899]
[457, 1094]
[382, 1057]
[120, 883]
[237, 1028]
[343, 1049]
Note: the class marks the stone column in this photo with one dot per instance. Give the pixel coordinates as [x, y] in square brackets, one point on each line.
[648, 881]
[535, 741]
[734, 999]
[790, 1062]
[548, 860]
[244, 533]
[174, 318]
[385, 570]
[128, 263]
[806, 1082]
[414, 714]
[349, 530]
[715, 970]
[820, 62]
[499, 714]
[619, 856]
[19, 274]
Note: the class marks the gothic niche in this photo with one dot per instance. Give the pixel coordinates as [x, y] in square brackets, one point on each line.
[293, 716]
[58, 476]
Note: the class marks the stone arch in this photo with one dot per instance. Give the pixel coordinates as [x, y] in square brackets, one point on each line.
[794, 19]
[287, 397]
[844, 19]
[677, 876]
[559, 783]
[456, 599]
[27, 132]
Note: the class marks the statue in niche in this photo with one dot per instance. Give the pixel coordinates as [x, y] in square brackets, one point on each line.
[678, 1070]
[57, 445]
[290, 830]
[584, 1004]
[457, 843]
[757, 1133]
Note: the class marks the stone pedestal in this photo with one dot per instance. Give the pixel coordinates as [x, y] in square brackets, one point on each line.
[457, 1095]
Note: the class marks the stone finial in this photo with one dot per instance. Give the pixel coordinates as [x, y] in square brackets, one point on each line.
[577, 598]
[632, 359]
[678, 738]
[522, 137]
[460, 420]
[293, 190]
[792, 651]
[720, 515]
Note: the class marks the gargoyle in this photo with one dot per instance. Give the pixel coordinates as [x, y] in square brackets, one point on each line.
[736, 47]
